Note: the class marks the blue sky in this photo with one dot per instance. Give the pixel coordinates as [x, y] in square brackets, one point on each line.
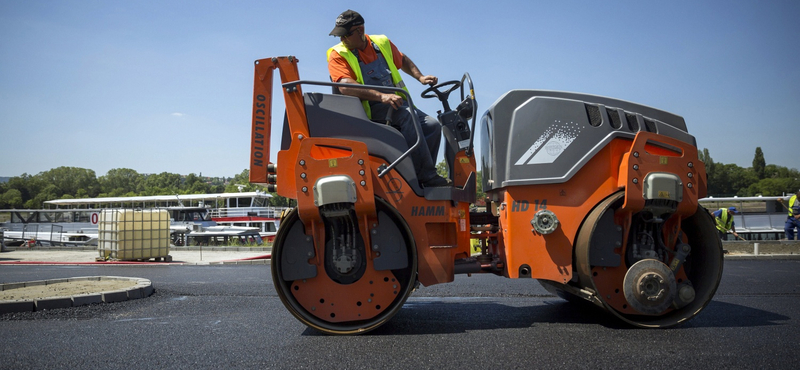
[167, 85]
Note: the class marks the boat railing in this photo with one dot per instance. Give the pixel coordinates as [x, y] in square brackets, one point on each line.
[270, 212]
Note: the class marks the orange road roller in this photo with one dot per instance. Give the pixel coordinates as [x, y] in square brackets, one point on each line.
[594, 197]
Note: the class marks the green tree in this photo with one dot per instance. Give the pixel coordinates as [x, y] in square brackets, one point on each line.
[279, 201]
[190, 180]
[442, 170]
[121, 181]
[481, 198]
[198, 187]
[730, 180]
[68, 180]
[709, 162]
[774, 171]
[164, 183]
[759, 163]
[773, 187]
[241, 182]
[12, 198]
[27, 185]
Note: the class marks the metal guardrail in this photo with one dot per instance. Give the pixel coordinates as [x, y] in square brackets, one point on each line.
[760, 218]
[269, 212]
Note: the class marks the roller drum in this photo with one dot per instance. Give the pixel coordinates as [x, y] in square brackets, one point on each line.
[347, 293]
[647, 293]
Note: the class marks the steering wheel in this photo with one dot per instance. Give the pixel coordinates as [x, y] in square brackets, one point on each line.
[435, 92]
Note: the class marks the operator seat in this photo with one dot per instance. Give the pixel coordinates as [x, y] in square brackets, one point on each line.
[343, 117]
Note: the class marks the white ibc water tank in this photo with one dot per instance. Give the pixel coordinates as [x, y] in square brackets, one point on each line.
[126, 234]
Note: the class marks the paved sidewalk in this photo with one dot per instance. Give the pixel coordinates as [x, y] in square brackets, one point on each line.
[192, 256]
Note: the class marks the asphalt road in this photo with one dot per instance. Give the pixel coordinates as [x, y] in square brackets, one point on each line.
[230, 317]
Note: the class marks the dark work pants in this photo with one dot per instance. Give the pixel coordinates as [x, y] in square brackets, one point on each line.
[426, 153]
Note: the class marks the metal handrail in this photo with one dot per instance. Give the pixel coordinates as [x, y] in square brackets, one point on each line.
[474, 111]
[268, 211]
[292, 86]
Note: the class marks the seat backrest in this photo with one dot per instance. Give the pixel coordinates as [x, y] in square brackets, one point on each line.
[343, 117]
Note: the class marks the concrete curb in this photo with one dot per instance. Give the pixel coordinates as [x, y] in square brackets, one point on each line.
[142, 289]
[765, 247]
[762, 256]
[171, 248]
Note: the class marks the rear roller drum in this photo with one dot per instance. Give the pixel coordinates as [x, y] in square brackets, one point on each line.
[645, 283]
[347, 293]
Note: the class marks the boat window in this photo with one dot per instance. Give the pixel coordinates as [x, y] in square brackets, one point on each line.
[242, 202]
[259, 202]
[83, 216]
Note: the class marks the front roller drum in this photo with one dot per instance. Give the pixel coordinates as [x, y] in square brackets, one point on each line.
[646, 293]
[354, 304]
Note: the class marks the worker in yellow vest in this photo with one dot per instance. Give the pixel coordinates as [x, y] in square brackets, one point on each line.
[374, 60]
[793, 220]
[724, 220]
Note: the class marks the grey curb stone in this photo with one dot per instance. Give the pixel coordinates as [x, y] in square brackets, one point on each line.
[135, 294]
[55, 281]
[142, 289]
[115, 296]
[50, 303]
[13, 286]
[84, 299]
[16, 306]
[148, 291]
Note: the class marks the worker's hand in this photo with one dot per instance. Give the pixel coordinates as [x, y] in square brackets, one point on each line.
[392, 99]
[428, 80]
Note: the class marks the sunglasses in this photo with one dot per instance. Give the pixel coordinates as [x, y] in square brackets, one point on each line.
[349, 34]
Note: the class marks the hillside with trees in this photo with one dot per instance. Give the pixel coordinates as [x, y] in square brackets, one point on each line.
[31, 191]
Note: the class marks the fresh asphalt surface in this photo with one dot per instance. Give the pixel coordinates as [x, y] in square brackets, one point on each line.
[229, 316]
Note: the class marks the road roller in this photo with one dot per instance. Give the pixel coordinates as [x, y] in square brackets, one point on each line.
[594, 197]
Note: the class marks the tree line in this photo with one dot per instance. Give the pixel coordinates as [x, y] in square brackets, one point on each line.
[727, 180]
[31, 191]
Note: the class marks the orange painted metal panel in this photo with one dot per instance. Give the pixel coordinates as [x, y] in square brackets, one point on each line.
[550, 256]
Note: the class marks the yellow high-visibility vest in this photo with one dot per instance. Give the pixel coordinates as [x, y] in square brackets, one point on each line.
[386, 49]
[724, 222]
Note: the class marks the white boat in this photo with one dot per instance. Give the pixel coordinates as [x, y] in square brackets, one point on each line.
[266, 226]
[70, 227]
[75, 221]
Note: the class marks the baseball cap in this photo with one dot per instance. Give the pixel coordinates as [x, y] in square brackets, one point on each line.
[733, 210]
[344, 21]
